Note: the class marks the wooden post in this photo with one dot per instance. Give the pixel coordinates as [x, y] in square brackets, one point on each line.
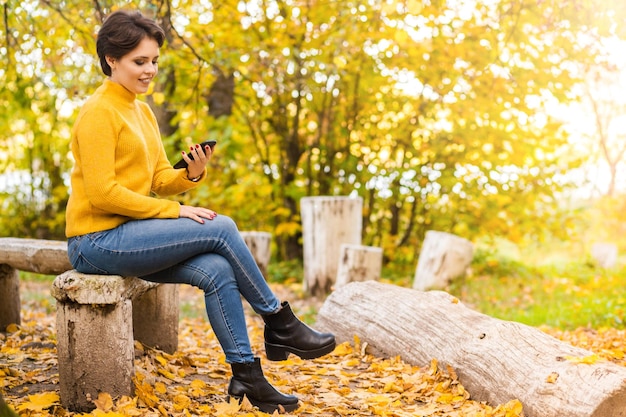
[9, 296]
[443, 257]
[327, 222]
[495, 360]
[260, 246]
[359, 263]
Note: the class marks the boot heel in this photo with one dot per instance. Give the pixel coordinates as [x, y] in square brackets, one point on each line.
[275, 353]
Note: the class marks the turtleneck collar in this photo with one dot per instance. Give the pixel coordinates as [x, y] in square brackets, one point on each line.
[119, 90]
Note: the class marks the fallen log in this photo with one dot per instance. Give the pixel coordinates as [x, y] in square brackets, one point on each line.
[495, 360]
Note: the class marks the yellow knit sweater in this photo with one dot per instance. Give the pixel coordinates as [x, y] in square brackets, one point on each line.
[120, 164]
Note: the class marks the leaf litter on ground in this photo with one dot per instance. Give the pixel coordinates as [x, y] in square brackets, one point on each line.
[193, 381]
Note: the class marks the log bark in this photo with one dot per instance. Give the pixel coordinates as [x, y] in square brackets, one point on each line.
[327, 223]
[495, 360]
[359, 263]
[443, 257]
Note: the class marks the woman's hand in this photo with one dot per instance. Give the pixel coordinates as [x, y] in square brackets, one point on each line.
[196, 213]
[195, 166]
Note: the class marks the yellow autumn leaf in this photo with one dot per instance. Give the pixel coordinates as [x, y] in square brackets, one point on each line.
[104, 402]
[589, 359]
[551, 379]
[514, 408]
[99, 413]
[12, 328]
[181, 402]
[160, 387]
[145, 393]
[163, 410]
[167, 374]
[39, 402]
[198, 384]
[227, 409]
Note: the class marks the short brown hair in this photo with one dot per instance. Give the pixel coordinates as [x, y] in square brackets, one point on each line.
[121, 33]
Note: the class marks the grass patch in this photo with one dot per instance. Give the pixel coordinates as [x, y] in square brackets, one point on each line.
[566, 296]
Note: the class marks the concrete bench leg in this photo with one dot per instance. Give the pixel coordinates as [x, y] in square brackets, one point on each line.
[9, 296]
[96, 352]
[155, 318]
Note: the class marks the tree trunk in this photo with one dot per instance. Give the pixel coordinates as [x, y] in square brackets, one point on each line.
[495, 360]
[327, 222]
[443, 257]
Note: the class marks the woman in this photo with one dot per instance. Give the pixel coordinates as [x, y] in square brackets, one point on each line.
[116, 224]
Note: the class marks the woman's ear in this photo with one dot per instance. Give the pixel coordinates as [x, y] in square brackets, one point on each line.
[110, 61]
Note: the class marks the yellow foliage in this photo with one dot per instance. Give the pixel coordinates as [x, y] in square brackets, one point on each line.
[40, 402]
[104, 402]
[227, 409]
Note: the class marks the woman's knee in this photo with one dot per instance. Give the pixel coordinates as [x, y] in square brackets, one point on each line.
[226, 223]
[215, 271]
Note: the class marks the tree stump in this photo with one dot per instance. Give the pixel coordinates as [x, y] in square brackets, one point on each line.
[359, 263]
[260, 245]
[443, 257]
[327, 222]
[495, 360]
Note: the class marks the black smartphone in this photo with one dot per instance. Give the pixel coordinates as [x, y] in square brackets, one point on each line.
[183, 164]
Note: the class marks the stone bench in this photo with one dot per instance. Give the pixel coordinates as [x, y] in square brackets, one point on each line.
[49, 257]
[32, 255]
[98, 316]
[98, 319]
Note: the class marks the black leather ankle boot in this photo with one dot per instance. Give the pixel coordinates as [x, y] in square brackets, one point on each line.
[248, 380]
[285, 333]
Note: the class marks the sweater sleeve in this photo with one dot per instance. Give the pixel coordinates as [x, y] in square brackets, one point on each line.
[112, 177]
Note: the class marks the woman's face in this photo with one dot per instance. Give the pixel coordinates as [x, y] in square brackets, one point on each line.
[136, 69]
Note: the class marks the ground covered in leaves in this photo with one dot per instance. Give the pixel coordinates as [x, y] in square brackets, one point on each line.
[193, 381]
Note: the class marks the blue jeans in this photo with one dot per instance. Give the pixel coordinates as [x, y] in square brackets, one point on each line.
[211, 256]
